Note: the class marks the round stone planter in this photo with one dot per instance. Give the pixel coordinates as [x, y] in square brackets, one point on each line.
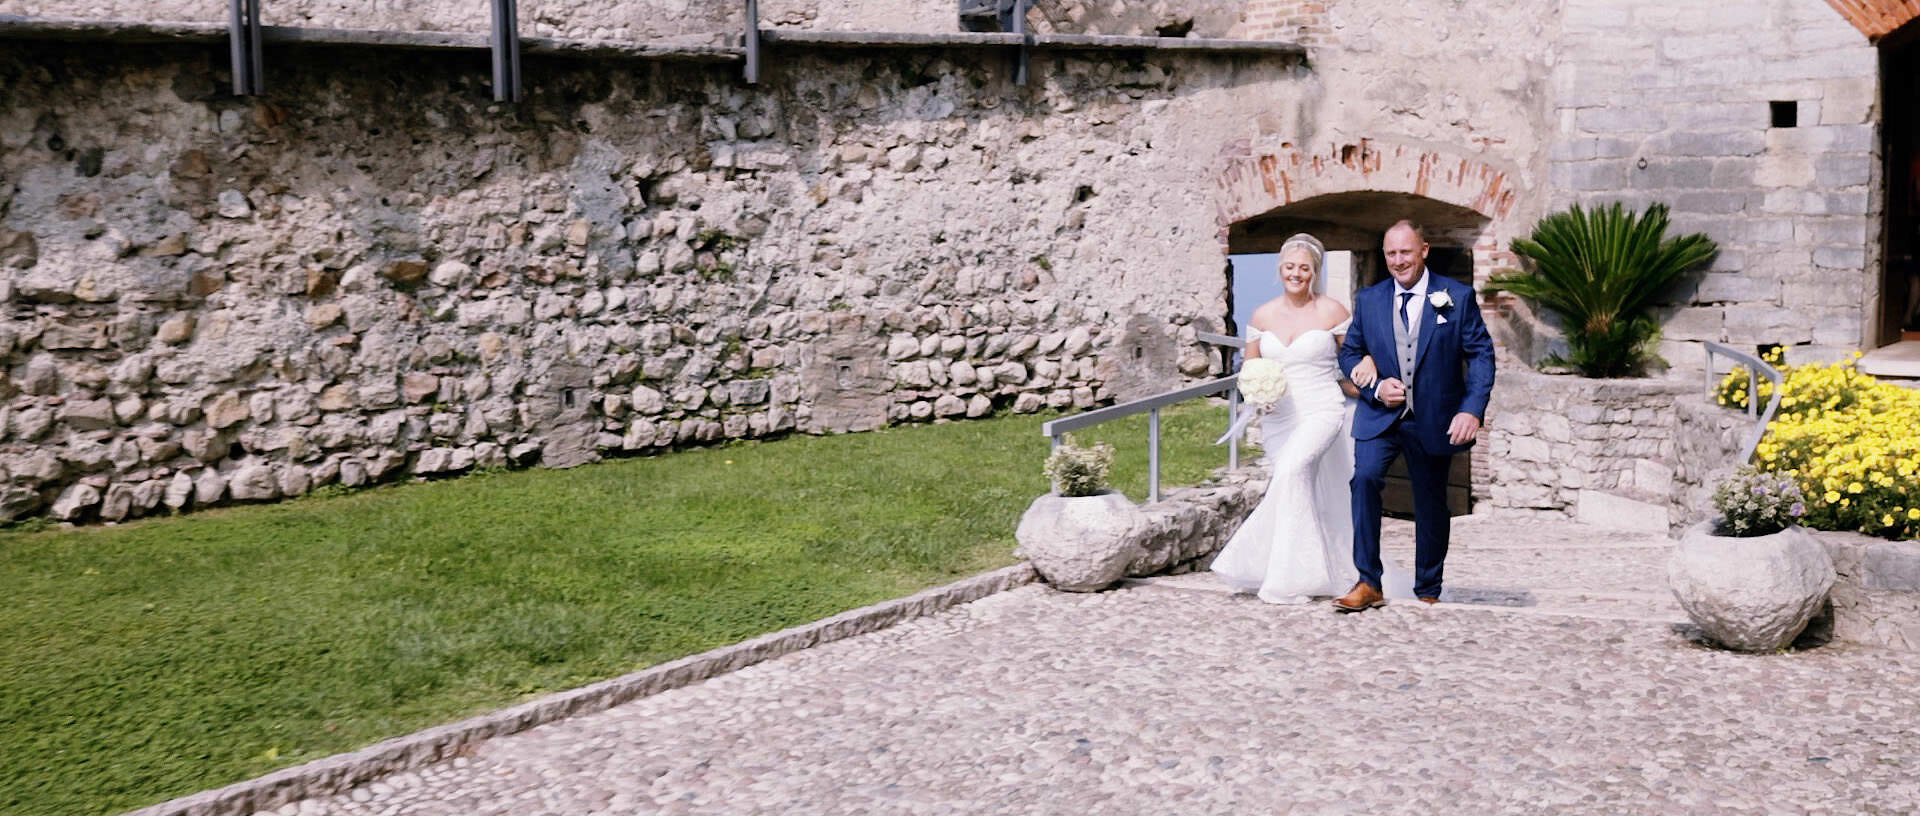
[1080, 543]
[1751, 594]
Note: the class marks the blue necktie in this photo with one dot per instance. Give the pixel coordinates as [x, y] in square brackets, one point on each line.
[1404, 297]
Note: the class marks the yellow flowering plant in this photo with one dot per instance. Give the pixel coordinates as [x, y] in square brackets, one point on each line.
[1850, 441]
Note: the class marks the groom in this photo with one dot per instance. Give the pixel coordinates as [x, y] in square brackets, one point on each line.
[1435, 360]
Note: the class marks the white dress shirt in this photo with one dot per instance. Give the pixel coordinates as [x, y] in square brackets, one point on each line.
[1415, 307]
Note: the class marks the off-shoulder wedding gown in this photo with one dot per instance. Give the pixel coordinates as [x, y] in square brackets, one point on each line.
[1298, 541]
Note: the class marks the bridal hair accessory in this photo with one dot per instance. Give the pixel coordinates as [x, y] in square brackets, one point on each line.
[1262, 382]
[1315, 250]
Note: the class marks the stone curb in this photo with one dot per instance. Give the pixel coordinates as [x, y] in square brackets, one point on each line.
[338, 773]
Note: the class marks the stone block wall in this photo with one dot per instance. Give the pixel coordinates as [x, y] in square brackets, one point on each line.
[380, 272]
[1711, 439]
[1661, 101]
[1635, 454]
[1876, 593]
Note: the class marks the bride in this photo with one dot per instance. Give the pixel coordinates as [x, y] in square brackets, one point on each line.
[1298, 541]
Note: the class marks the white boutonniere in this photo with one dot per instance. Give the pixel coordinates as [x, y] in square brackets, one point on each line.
[1441, 301]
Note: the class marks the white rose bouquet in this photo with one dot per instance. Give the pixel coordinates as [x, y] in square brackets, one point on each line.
[1262, 383]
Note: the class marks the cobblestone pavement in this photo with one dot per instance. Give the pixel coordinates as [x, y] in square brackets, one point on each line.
[1156, 699]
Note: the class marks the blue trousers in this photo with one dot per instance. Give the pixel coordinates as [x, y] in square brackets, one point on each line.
[1432, 525]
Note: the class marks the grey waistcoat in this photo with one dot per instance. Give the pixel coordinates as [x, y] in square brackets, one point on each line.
[1406, 343]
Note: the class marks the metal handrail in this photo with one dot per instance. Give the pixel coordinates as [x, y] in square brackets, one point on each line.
[1755, 368]
[1057, 429]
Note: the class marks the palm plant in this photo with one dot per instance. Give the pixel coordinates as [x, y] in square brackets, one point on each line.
[1600, 272]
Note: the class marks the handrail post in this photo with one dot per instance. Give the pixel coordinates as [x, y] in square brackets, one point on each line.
[752, 42]
[1233, 415]
[1153, 455]
[506, 51]
[1020, 27]
[1708, 348]
[243, 43]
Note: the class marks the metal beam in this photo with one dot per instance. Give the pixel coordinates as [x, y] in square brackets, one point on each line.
[752, 42]
[243, 47]
[1022, 59]
[506, 51]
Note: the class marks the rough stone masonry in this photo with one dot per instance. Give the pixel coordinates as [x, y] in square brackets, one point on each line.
[377, 272]
[372, 271]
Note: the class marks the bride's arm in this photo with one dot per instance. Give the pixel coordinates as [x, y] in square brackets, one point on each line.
[1363, 371]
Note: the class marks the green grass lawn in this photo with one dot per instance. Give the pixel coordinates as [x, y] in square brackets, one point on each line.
[155, 659]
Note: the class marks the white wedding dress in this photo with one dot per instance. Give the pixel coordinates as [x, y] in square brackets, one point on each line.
[1297, 543]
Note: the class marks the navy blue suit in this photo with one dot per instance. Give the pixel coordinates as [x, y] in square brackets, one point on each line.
[1453, 373]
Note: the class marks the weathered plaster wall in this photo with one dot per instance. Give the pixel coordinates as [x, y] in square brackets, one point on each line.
[379, 272]
[1145, 18]
[1452, 98]
[1669, 102]
[920, 16]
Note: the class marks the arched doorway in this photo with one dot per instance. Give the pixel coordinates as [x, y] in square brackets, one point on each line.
[1355, 221]
[1351, 225]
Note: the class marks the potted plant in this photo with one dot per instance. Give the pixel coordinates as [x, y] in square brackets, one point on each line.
[1601, 273]
[1752, 577]
[1080, 536]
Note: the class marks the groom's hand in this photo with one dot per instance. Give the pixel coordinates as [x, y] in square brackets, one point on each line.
[1391, 392]
[1465, 428]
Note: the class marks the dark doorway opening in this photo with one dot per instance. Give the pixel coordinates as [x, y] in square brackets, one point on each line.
[1900, 106]
[1352, 224]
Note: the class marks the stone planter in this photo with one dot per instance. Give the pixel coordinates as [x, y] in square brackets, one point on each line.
[1080, 543]
[1751, 594]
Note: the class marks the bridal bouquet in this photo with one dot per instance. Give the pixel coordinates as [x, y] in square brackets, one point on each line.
[1262, 383]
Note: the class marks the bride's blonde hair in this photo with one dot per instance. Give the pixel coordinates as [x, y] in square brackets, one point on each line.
[1316, 251]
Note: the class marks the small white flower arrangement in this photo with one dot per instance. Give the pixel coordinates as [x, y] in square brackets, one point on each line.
[1262, 382]
[1440, 300]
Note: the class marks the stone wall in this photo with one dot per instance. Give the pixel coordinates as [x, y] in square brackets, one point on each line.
[1296, 20]
[375, 273]
[1634, 454]
[701, 21]
[1168, 18]
[1876, 593]
[379, 272]
[1662, 101]
[1190, 525]
[704, 21]
[1709, 439]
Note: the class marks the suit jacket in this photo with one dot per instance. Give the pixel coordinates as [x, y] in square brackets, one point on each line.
[1453, 361]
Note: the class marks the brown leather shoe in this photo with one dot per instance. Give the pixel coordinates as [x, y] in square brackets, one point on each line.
[1429, 600]
[1363, 597]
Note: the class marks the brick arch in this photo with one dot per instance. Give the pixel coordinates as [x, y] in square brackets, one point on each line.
[1877, 18]
[1262, 181]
